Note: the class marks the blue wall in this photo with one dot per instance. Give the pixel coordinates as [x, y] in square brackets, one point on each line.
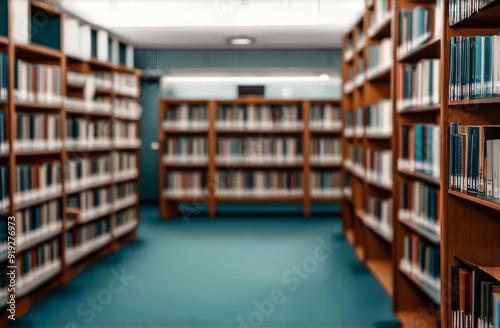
[155, 62]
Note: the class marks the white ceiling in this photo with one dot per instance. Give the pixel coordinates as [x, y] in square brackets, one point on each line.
[207, 24]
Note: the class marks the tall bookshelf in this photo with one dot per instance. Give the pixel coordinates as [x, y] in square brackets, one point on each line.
[368, 86]
[213, 130]
[122, 213]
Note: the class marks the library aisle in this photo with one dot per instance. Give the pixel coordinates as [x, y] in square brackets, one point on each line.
[209, 271]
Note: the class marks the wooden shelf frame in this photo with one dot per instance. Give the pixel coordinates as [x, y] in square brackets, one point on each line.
[169, 206]
[35, 53]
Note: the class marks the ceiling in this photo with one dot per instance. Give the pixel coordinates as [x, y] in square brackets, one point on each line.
[208, 24]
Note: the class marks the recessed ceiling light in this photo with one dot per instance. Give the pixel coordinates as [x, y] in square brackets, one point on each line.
[241, 41]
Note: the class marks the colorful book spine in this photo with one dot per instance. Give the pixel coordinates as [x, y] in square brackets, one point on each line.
[379, 167]
[378, 216]
[91, 203]
[37, 181]
[4, 61]
[37, 132]
[125, 221]
[325, 117]
[38, 222]
[259, 183]
[325, 150]
[463, 9]
[474, 67]
[420, 85]
[4, 188]
[419, 149]
[252, 117]
[259, 150]
[87, 171]
[349, 124]
[420, 206]
[86, 239]
[379, 58]
[186, 117]
[178, 183]
[185, 150]
[380, 14]
[87, 134]
[422, 261]
[414, 29]
[124, 165]
[379, 119]
[474, 159]
[125, 194]
[325, 183]
[125, 134]
[37, 83]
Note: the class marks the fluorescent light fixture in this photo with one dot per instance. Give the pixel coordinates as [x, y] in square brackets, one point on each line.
[241, 41]
[243, 79]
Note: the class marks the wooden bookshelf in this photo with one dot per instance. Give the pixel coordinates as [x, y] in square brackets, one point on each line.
[169, 205]
[372, 246]
[40, 54]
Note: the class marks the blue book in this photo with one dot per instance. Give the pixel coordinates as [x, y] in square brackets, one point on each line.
[477, 66]
[488, 63]
[37, 217]
[4, 69]
[418, 148]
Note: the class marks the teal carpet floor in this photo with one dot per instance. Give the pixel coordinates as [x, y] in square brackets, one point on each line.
[241, 270]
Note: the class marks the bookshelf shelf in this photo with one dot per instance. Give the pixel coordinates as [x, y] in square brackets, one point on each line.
[478, 199]
[382, 76]
[430, 236]
[479, 101]
[421, 109]
[383, 272]
[381, 30]
[36, 53]
[420, 176]
[486, 17]
[429, 49]
[432, 293]
[299, 132]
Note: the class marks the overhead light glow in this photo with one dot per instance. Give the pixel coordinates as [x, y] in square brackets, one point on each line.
[241, 41]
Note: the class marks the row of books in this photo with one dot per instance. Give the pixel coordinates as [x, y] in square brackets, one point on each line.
[127, 108]
[258, 183]
[86, 239]
[4, 142]
[422, 262]
[84, 42]
[349, 84]
[38, 221]
[80, 235]
[474, 65]
[37, 261]
[475, 159]
[259, 150]
[378, 216]
[463, 9]
[186, 116]
[379, 167]
[125, 191]
[186, 150]
[359, 127]
[355, 160]
[259, 117]
[37, 83]
[126, 84]
[84, 133]
[379, 119]
[349, 124]
[103, 81]
[347, 186]
[325, 116]
[87, 171]
[381, 13]
[125, 133]
[126, 218]
[37, 181]
[419, 149]
[100, 105]
[379, 58]
[37, 132]
[325, 150]
[475, 297]
[124, 165]
[420, 85]
[420, 206]
[91, 203]
[178, 183]
[4, 75]
[4, 188]
[415, 28]
[325, 183]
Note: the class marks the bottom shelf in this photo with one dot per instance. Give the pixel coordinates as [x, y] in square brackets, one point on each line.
[75, 254]
[383, 272]
[41, 277]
